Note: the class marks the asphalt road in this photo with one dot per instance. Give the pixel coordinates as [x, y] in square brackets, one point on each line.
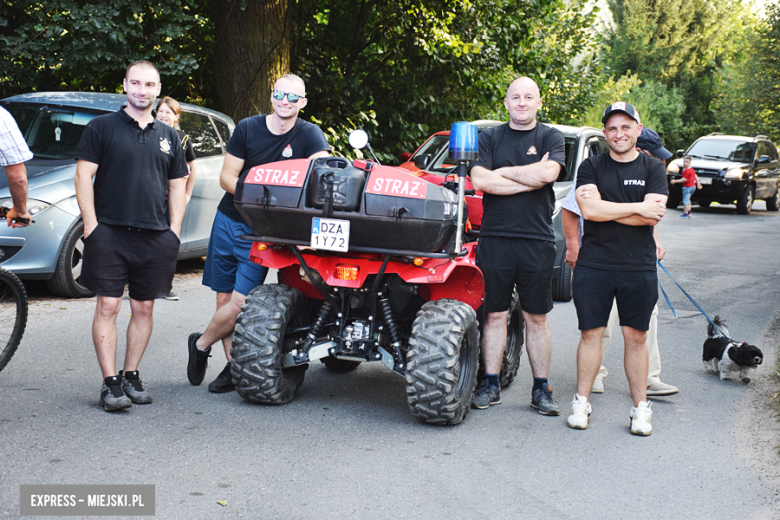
[347, 446]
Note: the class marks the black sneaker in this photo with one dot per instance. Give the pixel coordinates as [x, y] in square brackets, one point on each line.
[223, 383]
[112, 398]
[486, 396]
[134, 388]
[542, 400]
[172, 296]
[198, 361]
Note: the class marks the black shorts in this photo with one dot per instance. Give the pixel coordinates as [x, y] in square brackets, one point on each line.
[524, 263]
[117, 255]
[636, 293]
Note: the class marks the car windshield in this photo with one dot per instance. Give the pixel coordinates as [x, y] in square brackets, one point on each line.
[433, 145]
[730, 150]
[51, 133]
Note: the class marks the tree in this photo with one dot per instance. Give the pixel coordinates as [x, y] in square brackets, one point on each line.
[252, 50]
[407, 67]
[86, 45]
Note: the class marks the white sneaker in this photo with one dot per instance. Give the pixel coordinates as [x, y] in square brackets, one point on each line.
[580, 413]
[640, 419]
[660, 388]
[598, 386]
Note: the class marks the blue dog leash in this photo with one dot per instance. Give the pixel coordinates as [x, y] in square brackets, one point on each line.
[690, 298]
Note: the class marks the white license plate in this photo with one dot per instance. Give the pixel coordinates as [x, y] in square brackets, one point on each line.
[330, 234]
[705, 180]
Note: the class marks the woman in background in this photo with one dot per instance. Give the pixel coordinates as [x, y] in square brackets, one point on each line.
[169, 112]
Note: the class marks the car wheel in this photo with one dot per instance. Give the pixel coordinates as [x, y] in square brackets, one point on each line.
[561, 284]
[67, 274]
[773, 204]
[745, 202]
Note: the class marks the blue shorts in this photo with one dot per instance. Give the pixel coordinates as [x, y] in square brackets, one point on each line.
[228, 267]
[687, 192]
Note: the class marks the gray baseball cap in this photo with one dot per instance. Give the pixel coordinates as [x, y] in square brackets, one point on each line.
[622, 107]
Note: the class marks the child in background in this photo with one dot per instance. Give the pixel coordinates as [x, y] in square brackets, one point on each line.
[690, 181]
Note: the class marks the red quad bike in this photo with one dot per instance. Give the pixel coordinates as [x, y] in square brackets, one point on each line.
[371, 267]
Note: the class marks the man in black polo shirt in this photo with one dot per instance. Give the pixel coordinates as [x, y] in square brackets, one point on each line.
[622, 196]
[256, 140]
[138, 167]
[518, 163]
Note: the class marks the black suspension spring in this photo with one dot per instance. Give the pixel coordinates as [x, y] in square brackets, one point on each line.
[392, 330]
[320, 321]
[387, 316]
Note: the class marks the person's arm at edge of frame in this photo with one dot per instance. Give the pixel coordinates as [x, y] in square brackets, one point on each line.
[177, 203]
[231, 170]
[571, 231]
[190, 181]
[17, 185]
[650, 211]
[85, 194]
[660, 252]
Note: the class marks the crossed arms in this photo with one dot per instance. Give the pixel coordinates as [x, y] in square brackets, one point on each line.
[509, 180]
[646, 213]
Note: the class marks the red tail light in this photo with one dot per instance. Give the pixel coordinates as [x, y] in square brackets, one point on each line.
[347, 272]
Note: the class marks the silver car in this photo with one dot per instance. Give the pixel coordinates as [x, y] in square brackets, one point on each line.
[52, 124]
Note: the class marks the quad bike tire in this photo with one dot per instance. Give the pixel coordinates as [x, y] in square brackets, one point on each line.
[259, 343]
[442, 362]
[339, 366]
[515, 341]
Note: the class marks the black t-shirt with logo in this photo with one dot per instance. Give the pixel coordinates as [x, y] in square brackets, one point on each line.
[255, 144]
[134, 167]
[611, 245]
[528, 214]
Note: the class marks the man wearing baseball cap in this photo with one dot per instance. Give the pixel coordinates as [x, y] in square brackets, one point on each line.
[622, 196]
[650, 142]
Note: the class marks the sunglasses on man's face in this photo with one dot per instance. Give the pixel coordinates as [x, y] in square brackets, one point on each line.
[292, 98]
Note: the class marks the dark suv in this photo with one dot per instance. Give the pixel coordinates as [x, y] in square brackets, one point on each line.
[732, 170]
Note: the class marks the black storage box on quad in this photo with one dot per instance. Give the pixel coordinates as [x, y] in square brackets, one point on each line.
[388, 208]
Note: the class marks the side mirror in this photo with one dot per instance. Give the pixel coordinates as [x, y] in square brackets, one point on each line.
[764, 159]
[421, 161]
[358, 139]
[680, 154]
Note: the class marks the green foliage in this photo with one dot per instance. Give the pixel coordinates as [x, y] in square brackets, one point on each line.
[659, 107]
[680, 44]
[86, 45]
[748, 85]
[419, 66]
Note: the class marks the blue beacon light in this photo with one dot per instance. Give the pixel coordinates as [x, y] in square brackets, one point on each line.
[464, 147]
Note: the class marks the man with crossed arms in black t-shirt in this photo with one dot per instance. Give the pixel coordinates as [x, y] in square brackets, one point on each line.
[518, 162]
[622, 196]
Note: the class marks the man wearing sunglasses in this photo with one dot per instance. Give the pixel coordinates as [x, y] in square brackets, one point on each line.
[256, 140]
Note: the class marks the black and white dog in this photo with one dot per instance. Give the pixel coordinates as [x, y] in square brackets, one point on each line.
[731, 359]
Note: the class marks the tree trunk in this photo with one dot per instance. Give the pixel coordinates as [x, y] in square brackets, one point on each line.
[251, 51]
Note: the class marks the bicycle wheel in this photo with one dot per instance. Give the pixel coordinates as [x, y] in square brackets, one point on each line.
[13, 315]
